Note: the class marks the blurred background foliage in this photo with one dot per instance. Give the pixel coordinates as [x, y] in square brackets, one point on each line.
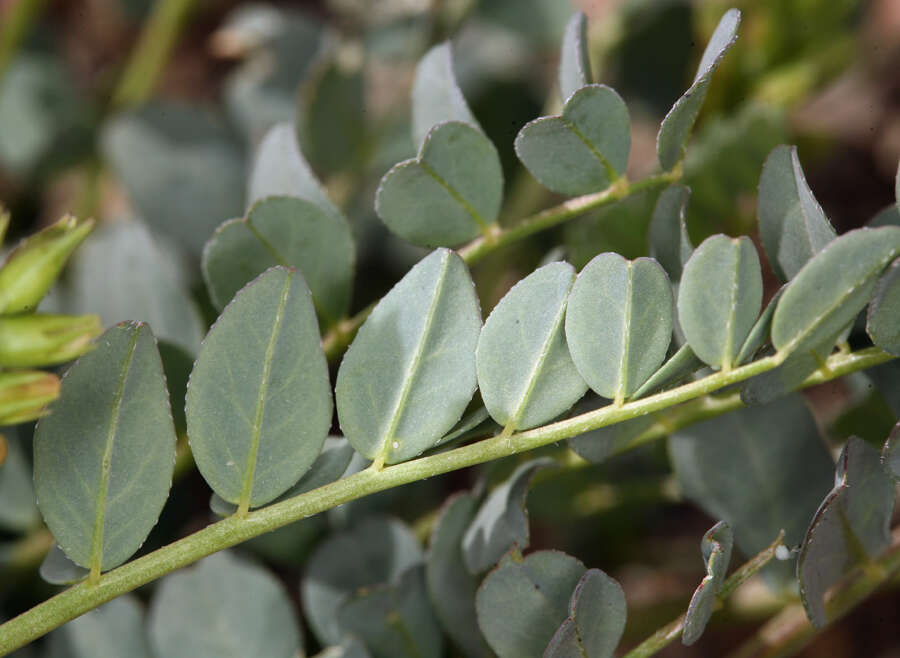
[145, 116]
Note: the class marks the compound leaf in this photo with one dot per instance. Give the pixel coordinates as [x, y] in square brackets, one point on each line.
[259, 399]
[394, 620]
[716, 548]
[792, 225]
[883, 318]
[574, 61]
[450, 193]
[676, 127]
[410, 372]
[279, 169]
[583, 150]
[596, 620]
[742, 468]
[103, 457]
[374, 551]
[451, 585]
[851, 527]
[284, 231]
[832, 288]
[502, 521]
[523, 602]
[719, 298]
[114, 629]
[619, 323]
[669, 241]
[223, 608]
[436, 96]
[525, 373]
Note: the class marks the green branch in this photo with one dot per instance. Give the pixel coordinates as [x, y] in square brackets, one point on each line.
[147, 61]
[672, 631]
[234, 530]
[790, 630]
[336, 340]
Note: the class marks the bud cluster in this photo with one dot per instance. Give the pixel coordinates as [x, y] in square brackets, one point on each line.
[28, 339]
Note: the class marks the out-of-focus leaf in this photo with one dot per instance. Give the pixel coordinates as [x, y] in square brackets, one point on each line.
[888, 216]
[373, 552]
[18, 511]
[114, 629]
[574, 60]
[719, 298]
[328, 467]
[103, 458]
[57, 569]
[410, 372]
[523, 602]
[723, 163]
[450, 584]
[716, 548]
[851, 527]
[759, 334]
[887, 379]
[223, 608]
[525, 373]
[540, 21]
[501, 523]
[742, 468]
[259, 400]
[596, 619]
[669, 240]
[436, 96]
[281, 45]
[598, 445]
[829, 292]
[280, 169]
[883, 319]
[122, 273]
[619, 323]
[394, 620]
[676, 127]
[333, 116]
[583, 150]
[182, 169]
[42, 115]
[284, 231]
[792, 225]
[449, 193]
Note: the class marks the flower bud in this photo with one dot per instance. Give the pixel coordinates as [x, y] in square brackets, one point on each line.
[44, 339]
[24, 395]
[33, 266]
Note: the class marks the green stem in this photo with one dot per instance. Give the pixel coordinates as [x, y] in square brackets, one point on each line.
[671, 631]
[16, 22]
[790, 630]
[335, 341]
[158, 37]
[234, 530]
